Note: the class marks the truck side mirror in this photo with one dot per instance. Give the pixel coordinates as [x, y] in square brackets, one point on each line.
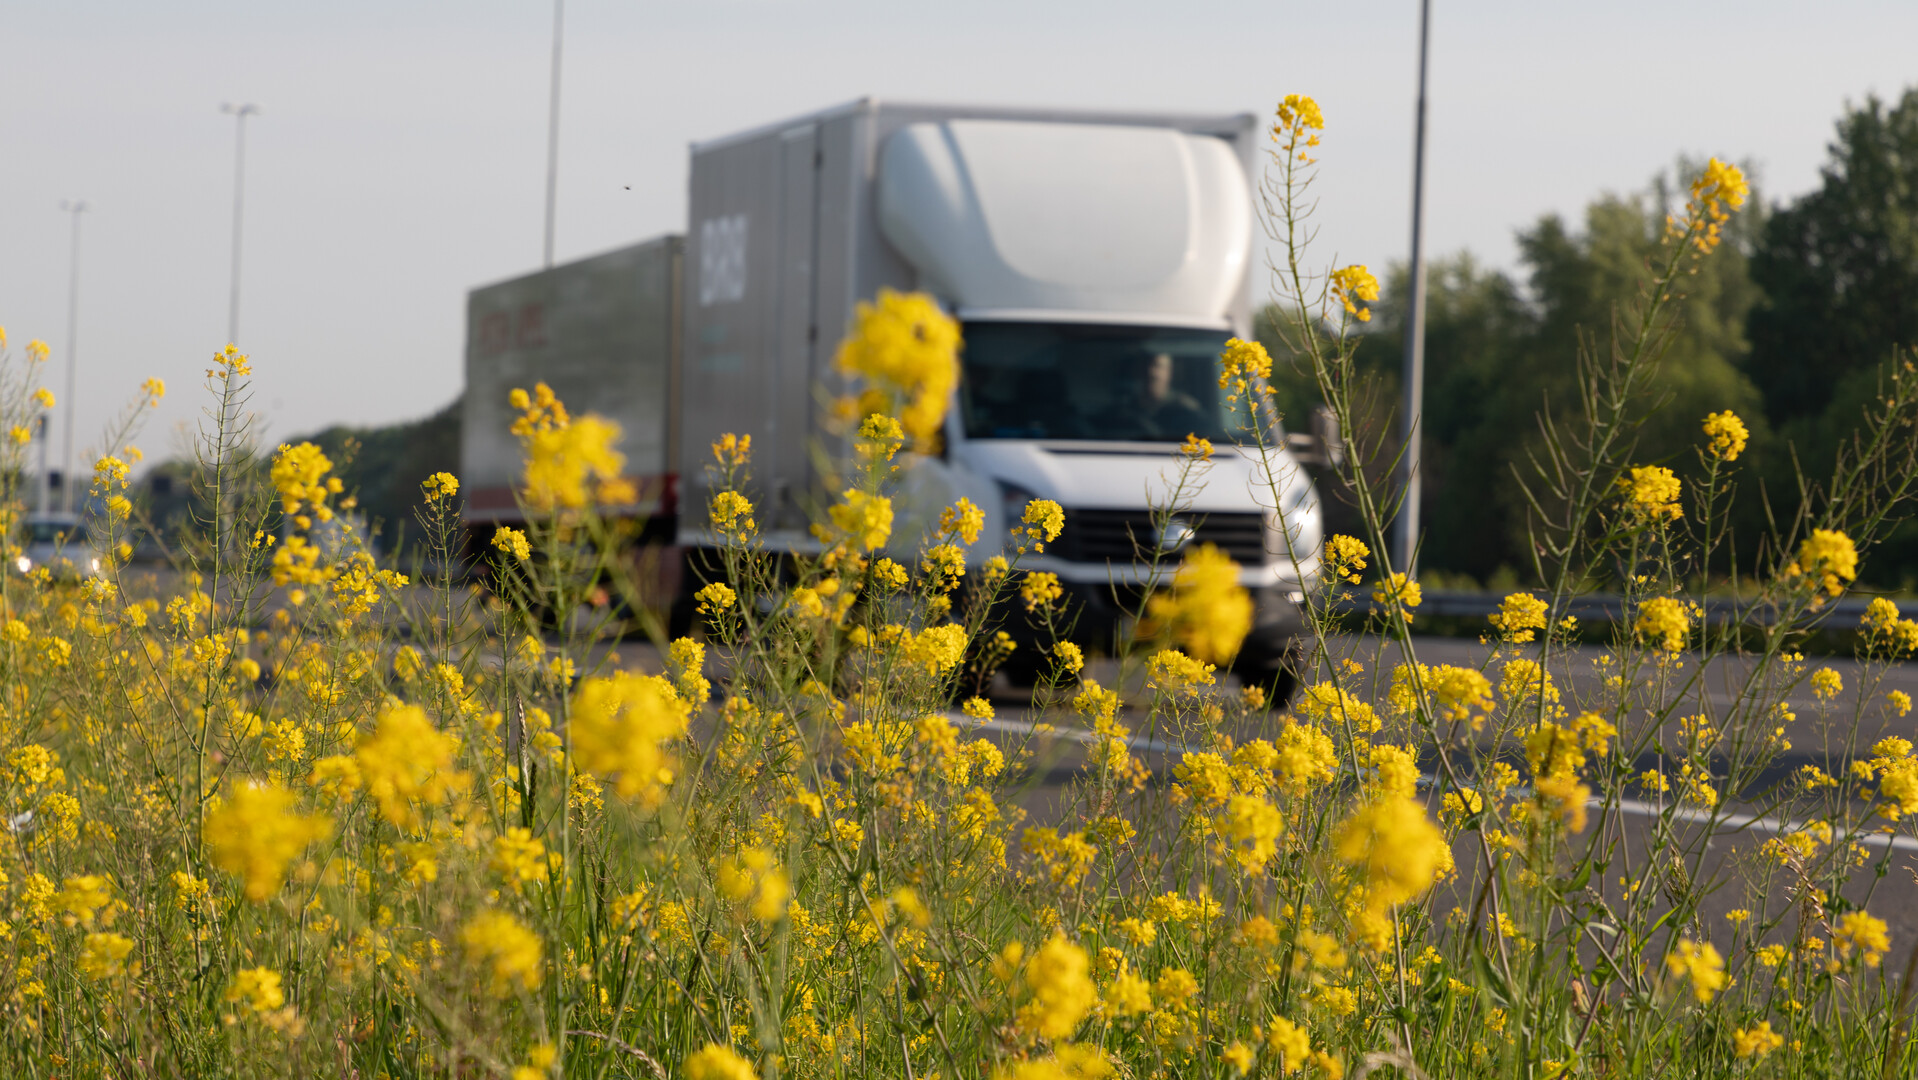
[1322, 446]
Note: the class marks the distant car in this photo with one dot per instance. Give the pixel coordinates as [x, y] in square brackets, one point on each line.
[59, 543]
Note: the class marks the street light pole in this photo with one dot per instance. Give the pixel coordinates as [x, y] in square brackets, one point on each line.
[552, 131]
[239, 114]
[74, 207]
[1408, 520]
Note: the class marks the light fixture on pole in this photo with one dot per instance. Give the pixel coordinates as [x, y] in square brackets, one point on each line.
[1406, 547]
[552, 132]
[239, 114]
[74, 207]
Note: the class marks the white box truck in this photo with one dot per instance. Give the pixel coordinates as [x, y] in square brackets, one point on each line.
[1097, 263]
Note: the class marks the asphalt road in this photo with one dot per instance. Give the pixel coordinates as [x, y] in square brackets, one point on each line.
[1730, 837]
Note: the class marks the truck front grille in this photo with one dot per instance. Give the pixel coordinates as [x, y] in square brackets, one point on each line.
[1127, 536]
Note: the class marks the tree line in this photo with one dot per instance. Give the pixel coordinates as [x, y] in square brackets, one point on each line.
[1790, 323]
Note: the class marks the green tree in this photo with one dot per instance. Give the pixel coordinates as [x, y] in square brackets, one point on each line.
[1839, 266]
[1498, 354]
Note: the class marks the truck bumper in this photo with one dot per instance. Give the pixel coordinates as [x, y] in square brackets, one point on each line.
[1269, 651]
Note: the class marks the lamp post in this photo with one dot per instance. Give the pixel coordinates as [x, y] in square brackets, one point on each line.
[73, 207]
[239, 114]
[1408, 519]
[552, 132]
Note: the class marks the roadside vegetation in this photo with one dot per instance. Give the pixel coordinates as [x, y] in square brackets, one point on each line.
[303, 817]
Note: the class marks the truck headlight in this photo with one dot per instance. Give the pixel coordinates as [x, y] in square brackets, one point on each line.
[25, 564]
[1013, 500]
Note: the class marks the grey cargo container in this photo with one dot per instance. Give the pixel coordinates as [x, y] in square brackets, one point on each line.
[603, 332]
[783, 239]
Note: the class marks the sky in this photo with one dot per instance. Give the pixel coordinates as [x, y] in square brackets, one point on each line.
[399, 157]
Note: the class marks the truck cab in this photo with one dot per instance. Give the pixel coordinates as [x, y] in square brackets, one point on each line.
[1098, 270]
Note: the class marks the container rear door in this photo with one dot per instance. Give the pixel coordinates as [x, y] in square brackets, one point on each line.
[751, 322]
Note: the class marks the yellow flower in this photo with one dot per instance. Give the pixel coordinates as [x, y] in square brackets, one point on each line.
[880, 437]
[255, 833]
[1863, 932]
[1062, 992]
[519, 856]
[1071, 658]
[863, 519]
[154, 389]
[299, 474]
[938, 648]
[512, 542]
[1828, 558]
[43, 396]
[440, 485]
[1195, 448]
[232, 364]
[1756, 1041]
[1043, 521]
[1206, 612]
[1719, 189]
[1065, 858]
[619, 726]
[1700, 963]
[256, 988]
[509, 952]
[82, 898]
[733, 451]
[1128, 995]
[962, 519]
[1170, 669]
[1399, 591]
[890, 576]
[1297, 120]
[1651, 494]
[1727, 434]
[1900, 702]
[1243, 367]
[1040, 590]
[1306, 758]
[1663, 620]
[715, 1062]
[1400, 850]
[1518, 616]
[561, 460]
[1355, 283]
[1334, 707]
[1252, 827]
[1239, 1056]
[1290, 1043]
[715, 598]
[405, 760]
[1827, 684]
[752, 876]
[732, 515]
[907, 352]
[1344, 557]
[103, 956]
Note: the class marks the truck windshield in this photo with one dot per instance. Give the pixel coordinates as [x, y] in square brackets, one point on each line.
[1105, 383]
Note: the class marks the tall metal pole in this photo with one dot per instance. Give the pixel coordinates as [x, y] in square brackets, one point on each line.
[552, 130]
[1408, 522]
[239, 114]
[75, 207]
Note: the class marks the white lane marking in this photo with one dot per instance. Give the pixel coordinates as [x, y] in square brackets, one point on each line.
[1760, 822]
[1076, 734]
